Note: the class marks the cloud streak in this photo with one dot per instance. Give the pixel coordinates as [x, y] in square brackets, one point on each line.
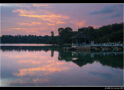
[30, 24]
[51, 18]
[105, 10]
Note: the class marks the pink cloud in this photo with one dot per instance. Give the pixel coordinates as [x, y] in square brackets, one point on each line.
[51, 17]
[44, 21]
[49, 68]
[30, 24]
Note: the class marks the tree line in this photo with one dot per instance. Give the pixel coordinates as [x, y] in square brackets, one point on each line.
[106, 33]
[25, 39]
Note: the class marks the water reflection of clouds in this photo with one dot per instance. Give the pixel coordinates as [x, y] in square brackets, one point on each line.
[29, 81]
[47, 69]
[104, 75]
[32, 64]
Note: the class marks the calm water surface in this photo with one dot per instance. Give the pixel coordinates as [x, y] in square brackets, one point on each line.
[52, 66]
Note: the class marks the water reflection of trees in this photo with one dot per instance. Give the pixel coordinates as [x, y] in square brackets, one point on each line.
[28, 48]
[112, 59]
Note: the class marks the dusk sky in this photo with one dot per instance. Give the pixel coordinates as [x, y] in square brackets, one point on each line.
[41, 19]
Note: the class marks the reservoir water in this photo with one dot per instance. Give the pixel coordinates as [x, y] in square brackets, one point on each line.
[45, 65]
